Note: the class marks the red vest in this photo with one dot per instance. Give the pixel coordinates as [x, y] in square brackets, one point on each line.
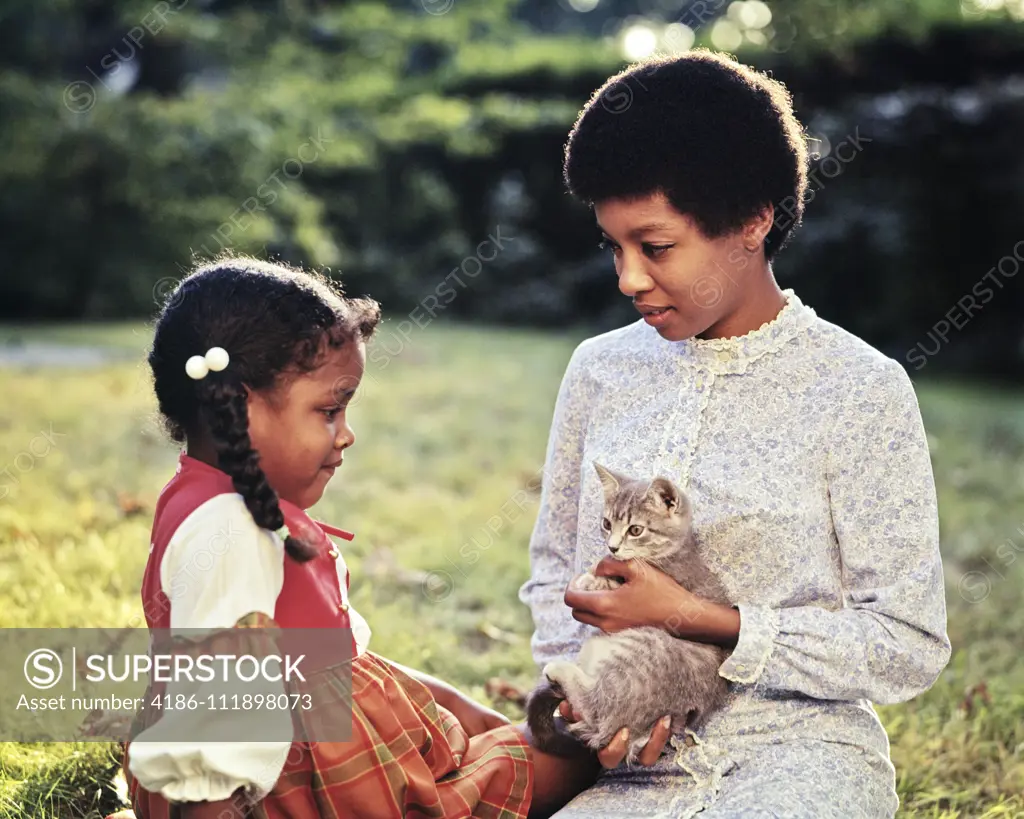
[310, 596]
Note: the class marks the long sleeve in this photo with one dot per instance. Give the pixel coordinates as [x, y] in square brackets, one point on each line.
[218, 567]
[888, 643]
[553, 542]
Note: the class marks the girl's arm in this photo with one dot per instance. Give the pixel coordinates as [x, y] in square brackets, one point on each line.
[218, 568]
[889, 644]
[553, 542]
[474, 717]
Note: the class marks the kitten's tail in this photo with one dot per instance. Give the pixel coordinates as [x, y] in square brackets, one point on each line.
[544, 730]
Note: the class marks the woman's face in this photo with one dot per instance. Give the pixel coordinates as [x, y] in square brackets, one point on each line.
[681, 282]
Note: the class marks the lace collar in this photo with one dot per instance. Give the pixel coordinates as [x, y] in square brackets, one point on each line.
[736, 353]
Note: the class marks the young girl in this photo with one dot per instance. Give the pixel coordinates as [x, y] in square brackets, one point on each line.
[800, 446]
[254, 365]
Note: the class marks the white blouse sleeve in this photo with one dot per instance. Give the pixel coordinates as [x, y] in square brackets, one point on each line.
[553, 542]
[888, 643]
[218, 567]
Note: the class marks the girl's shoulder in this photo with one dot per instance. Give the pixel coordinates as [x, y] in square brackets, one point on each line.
[199, 505]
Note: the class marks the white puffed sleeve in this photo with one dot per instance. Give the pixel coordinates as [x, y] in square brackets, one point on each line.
[218, 567]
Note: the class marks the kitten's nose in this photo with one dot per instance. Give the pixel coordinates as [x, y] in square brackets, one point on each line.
[613, 549]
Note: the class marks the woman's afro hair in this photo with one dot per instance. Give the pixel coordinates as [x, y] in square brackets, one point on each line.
[717, 138]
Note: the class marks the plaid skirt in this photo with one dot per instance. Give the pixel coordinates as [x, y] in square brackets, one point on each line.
[408, 757]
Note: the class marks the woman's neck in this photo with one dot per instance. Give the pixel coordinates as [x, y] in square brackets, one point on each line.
[761, 301]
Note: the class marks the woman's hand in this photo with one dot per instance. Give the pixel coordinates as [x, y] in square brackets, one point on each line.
[649, 597]
[472, 716]
[612, 754]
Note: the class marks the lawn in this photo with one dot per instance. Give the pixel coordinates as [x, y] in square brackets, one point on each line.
[451, 424]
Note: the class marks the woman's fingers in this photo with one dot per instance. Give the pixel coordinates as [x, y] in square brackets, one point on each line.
[656, 744]
[569, 714]
[612, 754]
[615, 751]
[584, 616]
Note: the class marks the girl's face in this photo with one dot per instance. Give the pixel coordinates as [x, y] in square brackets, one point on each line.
[299, 428]
[683, 283]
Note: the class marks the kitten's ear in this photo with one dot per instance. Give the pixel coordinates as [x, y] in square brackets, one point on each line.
[667, 493]
[609, 480]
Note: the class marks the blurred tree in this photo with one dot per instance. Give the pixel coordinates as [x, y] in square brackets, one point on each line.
[387, 140]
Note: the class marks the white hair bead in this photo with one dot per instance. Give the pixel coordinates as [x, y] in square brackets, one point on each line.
[217, 359]
[196, 367]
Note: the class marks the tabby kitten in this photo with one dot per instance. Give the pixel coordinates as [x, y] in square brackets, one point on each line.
[634, 677]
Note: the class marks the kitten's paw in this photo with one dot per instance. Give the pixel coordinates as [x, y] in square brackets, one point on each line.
[557, 672]
[591, 582]
[583, 582]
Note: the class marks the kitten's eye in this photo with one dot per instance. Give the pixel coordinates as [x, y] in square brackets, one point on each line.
[606, 525]
[635, 530]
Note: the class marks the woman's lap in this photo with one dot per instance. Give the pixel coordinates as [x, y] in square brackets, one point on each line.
[805, 779]
[811, 780]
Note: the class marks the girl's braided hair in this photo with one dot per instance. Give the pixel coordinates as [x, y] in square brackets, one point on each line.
[271, 319]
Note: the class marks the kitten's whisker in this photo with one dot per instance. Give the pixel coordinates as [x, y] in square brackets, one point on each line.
[644, 562]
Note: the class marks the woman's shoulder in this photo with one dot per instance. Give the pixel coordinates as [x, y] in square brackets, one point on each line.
[848, 357]
[623, 344]
[857, 378]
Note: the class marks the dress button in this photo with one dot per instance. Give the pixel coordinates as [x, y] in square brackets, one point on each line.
[334, 553]
[343, 607]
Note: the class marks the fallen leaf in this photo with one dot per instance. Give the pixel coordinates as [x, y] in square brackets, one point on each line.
[130, 505]
[497, 688]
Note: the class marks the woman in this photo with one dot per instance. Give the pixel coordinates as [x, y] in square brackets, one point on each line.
[801, 448]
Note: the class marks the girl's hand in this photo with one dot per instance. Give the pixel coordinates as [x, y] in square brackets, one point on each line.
[472, 716]
[649, 597]
[235, 806]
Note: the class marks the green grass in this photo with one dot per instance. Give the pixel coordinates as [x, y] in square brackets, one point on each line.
[448, 431]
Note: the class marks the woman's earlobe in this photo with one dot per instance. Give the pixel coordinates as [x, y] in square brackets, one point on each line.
[759, 229]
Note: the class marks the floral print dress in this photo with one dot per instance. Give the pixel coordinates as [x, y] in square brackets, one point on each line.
[804, 455]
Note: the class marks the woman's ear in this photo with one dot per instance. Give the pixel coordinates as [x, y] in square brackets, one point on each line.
[755, 231]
